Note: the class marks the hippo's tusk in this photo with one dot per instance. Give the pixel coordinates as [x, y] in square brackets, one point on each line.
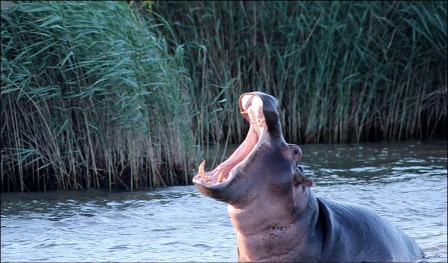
[201, 172]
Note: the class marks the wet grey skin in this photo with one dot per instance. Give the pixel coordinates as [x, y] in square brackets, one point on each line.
[274, 213]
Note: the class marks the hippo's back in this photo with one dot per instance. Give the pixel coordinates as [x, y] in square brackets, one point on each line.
[352, 233]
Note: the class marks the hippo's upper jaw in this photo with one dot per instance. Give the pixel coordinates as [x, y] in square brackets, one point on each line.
[261, 111]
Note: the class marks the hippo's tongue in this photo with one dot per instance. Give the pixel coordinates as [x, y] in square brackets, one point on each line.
[252, 109]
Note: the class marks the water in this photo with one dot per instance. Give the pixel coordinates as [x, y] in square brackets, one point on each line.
[405, 183]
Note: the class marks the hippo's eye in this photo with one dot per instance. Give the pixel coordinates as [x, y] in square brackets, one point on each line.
[296, 151]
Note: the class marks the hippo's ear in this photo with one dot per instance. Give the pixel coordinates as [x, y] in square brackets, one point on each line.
[299, 179]
[307, 182]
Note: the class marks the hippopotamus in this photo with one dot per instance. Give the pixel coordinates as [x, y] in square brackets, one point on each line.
[275, 215]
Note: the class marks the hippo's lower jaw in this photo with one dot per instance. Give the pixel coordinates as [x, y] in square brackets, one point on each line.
[252, 109]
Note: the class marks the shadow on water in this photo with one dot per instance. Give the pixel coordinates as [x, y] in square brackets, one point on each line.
[404, 182]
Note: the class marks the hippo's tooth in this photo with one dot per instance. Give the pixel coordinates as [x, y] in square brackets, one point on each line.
[205, 178]
[221, 177]
[201, 172]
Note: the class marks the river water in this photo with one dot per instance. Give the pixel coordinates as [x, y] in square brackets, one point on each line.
[405, 183]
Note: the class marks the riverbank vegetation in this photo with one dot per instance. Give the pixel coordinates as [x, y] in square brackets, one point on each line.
[128, 95]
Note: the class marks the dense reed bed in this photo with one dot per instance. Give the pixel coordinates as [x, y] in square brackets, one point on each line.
[343, 71]
[124, 94]
[90, 98]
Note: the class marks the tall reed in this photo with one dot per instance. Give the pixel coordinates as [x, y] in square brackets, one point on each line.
[90, 98]
[343, 71]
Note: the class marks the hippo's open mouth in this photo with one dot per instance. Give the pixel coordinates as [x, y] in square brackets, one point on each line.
[252, 109]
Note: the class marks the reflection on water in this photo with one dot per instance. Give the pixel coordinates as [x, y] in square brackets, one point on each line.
[405, 183]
